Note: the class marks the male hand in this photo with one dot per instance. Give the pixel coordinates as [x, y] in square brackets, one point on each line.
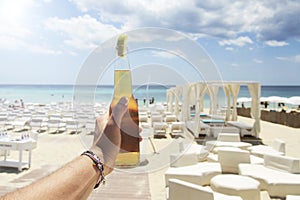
[107, 138]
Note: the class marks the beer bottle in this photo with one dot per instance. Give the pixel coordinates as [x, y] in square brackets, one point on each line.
[129, 154]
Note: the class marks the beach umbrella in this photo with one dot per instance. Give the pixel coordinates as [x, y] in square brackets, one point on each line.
[294, 100]
[244, 99]
[277, 99]
[262, 99]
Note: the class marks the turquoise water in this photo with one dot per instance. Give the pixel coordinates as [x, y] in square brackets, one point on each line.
[63, 93]
[66, 93]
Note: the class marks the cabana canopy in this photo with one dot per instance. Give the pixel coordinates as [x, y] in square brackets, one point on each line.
[193, 94]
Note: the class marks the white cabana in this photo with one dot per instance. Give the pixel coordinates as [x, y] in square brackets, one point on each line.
[193, 94]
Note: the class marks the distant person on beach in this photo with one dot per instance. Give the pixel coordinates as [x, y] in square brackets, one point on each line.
[76, 180]
[266, 104]
[22, 103]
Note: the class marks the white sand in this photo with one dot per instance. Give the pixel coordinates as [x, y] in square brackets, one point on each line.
[55, 150]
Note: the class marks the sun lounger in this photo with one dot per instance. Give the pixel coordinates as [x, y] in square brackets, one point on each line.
[227, 140]
[72, 126]
[194, 148]
[216, 130]
[21, 124]
[179, 190]
[56, 125]
[229, 137]
[231, 158]
[160, 128]
[199, 174]
[279, 175]
[177, 128]
[243, 127]
[232, 184]
[203, 129]
[292, 197]
[277, 148]
[170, 118]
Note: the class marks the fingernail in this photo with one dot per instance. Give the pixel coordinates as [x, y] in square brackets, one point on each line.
[124, 101]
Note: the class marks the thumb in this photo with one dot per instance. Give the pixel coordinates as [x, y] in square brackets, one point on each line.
[119, 110]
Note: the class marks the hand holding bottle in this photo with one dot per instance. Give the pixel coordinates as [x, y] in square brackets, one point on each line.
[107, 138]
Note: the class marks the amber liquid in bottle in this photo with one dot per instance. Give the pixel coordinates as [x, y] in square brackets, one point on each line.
[129, 155]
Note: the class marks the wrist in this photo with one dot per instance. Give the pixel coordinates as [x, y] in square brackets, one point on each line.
[97, 164]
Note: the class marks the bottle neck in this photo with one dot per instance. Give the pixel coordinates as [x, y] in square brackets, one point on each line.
[122, 83]
[122, 63]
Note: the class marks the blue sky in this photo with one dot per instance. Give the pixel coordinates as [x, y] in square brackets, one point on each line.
[47, 41]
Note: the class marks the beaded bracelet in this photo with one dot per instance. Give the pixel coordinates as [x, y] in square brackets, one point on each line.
[98, 164]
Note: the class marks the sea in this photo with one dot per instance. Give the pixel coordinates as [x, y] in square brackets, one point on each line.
[45, 94]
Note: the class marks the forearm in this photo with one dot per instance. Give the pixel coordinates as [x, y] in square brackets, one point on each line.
[75, 180]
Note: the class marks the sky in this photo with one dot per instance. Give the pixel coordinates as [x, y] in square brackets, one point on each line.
[48, 41]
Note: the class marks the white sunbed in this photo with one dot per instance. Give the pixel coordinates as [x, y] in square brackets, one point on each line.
[179, 190]
[227, 140]
[203, 129]
[230, 158]
[279, 175]
[277, 148]
[199, 173]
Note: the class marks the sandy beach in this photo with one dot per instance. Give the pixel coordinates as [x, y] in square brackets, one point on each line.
[54, 150]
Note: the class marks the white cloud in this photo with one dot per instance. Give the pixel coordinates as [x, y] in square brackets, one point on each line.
[226, 19]
[257, 61]
[274, 43]
[82, 32]
[229, 49]
[240, 41]
[43, 50]
[163, 54]
[295, 59]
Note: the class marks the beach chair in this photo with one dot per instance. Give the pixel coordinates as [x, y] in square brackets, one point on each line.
[36, 124]
[177, 129]
[179, 190]
[227, 140]
[90, 126]
[279, 175]
[21, 124]
[72, 126]
[156, 118]
[160, 129]
[277, 148]
[3, 121]
[198, 173]
[170, 118]
[202, 129]
[56, 125]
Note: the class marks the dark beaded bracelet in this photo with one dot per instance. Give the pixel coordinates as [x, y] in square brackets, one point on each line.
[98, 164]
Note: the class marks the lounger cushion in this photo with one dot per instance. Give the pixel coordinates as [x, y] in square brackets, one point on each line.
[230, 184]
[285, 163]
[277, 183]
[229, 159]
[199, 174]
[183, 159]
[229, 137]
[185, 190]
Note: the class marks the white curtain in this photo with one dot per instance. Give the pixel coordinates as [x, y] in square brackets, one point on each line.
[200, 98]
[168, 99]
[226, 89]
[234, 89]
[171, 100]
[178, 93]
[187, 96]
[213, 95]
[254, 89]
